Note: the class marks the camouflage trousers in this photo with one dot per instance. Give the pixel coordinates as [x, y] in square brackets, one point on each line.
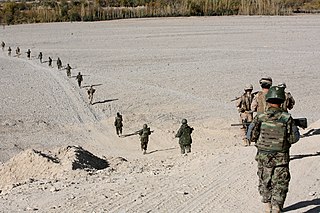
[185, 148]
[119, 130]
[273, 183]
[144, 143]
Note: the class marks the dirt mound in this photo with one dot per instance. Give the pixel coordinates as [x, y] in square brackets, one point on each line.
[32, 164]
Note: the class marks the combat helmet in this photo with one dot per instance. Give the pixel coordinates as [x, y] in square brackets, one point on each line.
[145, 126]
[266, 82]
[248, 87]
[276, 94]
[184, 121]
[282, 85]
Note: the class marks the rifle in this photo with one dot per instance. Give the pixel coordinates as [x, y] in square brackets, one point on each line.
[236, 98]
[300, 122]
[135, 133]
[94, 85]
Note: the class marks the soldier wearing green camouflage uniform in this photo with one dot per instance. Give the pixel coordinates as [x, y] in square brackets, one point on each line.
[79, 79]
[259, 104]
[28, 54]
[3, 45]
[68, 68]
[244, 108]
[289, 101]
[9, 51]
[118, 124]
[274, 132]
[59, 63]
[144, 137]
[184, 135]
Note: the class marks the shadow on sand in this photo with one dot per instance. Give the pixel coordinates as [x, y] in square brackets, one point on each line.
[160, 150]
[105, 101]
[302, 204]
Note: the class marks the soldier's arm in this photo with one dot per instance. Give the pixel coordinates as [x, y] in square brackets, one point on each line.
[254, 104]
[253, 132]
[179, 133]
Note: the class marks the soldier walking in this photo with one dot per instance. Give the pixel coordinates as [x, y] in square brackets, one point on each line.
[144, 137]
[18, 51]
[3, 45]
[28, 53]
[289, 101]
[273, 131]
[184, 135]
[40, 57]
[118, 124]
[68, 68]
[259, 104]
[59, 63]
[9, 51]
[91, 91]
[50, 62]
[79, 78]
[244, 108]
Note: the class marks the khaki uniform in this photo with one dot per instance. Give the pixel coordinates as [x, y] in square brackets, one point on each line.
[244, 108]
[259, 103]
[288, 103]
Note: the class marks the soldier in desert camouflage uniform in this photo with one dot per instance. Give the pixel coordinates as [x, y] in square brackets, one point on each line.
[259, 104]
[144, 137]
[289, 101]
[184, 135]
[274, 132]
[244, 108]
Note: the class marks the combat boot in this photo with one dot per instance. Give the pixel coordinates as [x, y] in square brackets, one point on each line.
[144, 151]
[268, 208]
[276, 209]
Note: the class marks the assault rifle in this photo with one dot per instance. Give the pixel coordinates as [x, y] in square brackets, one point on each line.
[300, 122]
[236, 98]
[131, 134]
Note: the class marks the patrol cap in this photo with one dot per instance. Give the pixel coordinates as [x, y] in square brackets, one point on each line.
[184, 121]
[248, 87]
[266, 82]
[276, 94]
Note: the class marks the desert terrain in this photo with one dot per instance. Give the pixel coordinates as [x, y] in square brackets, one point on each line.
[58, 153]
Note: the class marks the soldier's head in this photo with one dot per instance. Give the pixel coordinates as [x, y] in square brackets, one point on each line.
[79, 73]
[265, 82]
[184, 121]
[248, 87]
[145, 126]
[118, 114]
[276, 95]
[282, 85]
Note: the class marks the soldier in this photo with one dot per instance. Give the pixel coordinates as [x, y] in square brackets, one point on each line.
[50, 62]
[90, 93]
[259, 104]
[289, 101]
[244, 108]
[184, 135]
[79, 78]
[68, 68]
[3, 45]
[9, 51]
[28, 53]
[59, 63]
[40, 57]
[18, 51]
[144, 137]
[273, 131]
[118, 124]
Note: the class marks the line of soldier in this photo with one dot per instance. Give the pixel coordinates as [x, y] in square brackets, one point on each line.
[68, 68]
[273, 131]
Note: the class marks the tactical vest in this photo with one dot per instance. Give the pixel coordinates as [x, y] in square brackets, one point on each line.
[273, 133]
[145, 133]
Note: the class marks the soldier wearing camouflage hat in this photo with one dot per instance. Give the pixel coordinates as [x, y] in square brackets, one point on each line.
[244, 108]
[184, 135]
[289, 100]
[259, 104]
[273, 131]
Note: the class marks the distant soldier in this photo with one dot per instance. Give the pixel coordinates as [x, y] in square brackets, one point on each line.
[144, 137]
[68, 68]
[9, 51]
[184, 135]
[244, 108]
[3, 45]
[40, 57]
[79, 78]
[118, 124]
[18, 51]
[289, 102]
[259, 103]
[90, 92]
[28, 53]
[50, 62]
[59, 63]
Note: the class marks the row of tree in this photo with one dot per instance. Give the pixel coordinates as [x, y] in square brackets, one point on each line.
[94, 10]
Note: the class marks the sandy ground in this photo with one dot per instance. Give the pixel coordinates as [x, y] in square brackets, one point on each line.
[154, 71]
